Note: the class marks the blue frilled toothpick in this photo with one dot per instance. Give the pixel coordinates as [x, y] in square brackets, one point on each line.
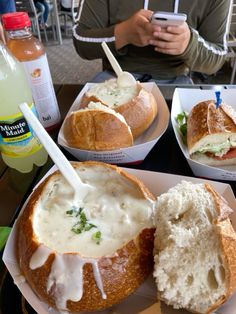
[218, 99]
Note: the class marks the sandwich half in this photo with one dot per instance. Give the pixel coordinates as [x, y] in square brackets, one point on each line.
[211, 134]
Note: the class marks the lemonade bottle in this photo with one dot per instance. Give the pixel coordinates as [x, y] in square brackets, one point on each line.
[19, 147]
[30, 51]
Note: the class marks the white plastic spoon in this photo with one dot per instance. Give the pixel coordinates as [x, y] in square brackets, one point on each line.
[81, 189]
[123, 78]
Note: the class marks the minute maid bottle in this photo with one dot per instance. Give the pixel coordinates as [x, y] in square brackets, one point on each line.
[19, 147]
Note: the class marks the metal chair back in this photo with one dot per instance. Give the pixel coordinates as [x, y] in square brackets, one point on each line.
[29, 7]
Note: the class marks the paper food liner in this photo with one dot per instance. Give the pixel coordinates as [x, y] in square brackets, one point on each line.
[145, 296]
[185, 99]
[142, 145]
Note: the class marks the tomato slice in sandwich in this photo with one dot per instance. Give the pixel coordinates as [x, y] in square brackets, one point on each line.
[230, 154]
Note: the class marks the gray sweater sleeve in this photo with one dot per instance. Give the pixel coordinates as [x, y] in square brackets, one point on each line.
[207, 49]
[93, 28]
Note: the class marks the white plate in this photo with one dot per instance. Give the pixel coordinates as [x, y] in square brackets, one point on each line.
[185, 99]
[142, 145]
[146, 295]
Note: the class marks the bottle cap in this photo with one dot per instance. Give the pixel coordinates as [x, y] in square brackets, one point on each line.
[15, 20]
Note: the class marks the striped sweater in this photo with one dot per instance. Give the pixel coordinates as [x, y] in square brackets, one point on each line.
[206, 52]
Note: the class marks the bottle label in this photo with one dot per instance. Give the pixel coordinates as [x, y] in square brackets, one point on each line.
[17, 138]
[40, 80]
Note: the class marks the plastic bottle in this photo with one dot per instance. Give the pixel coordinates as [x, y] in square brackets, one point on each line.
[19, 147]
[30, 51]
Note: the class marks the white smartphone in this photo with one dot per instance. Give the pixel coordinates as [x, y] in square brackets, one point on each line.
[165, 19]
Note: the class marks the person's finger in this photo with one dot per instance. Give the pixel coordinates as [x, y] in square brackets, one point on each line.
[164, 36]
[180, 29]
[164, 44]
[146, 13]
[157, 28]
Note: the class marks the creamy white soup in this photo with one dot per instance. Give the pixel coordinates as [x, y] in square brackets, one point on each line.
[108, 217]
[111, 94]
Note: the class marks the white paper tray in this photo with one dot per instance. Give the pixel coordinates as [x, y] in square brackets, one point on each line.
[142, 145]
[158, 183]
[185, 99]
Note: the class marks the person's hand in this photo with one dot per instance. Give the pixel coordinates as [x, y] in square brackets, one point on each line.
[2, 37]
[136, 30]
[172, 40]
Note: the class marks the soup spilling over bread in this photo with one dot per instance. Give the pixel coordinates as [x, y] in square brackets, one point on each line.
[89, 255]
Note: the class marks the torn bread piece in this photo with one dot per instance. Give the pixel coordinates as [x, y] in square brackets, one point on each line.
[194, 249]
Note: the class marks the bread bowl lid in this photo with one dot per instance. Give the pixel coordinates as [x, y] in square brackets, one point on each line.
[142, 145]
[184, 99]
[145, 296]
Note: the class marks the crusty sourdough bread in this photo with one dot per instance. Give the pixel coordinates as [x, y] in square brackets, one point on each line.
[194, 248]
[211, 133]
[137, 105]
[87, 256]
[97, 128]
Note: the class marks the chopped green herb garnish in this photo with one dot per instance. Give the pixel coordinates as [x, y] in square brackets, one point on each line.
[97, 237]
[79, 211]
[89, 226]
[182, 119]
[74, 211]
[82, 224]
[83, 218]
[69, 212]
[76, 230]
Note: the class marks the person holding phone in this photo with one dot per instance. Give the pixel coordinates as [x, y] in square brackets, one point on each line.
[169, 53]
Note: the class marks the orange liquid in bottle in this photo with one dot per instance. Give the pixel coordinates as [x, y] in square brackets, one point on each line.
[30, 51]
[25, 49]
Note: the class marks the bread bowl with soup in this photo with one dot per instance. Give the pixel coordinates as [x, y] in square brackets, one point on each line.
[86, 255]
[137, 105]
[110, 117]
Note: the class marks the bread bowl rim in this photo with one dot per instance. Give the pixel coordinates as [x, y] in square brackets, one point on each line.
[136, 251]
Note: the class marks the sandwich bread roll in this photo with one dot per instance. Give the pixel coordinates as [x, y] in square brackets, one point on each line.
[194, 248]
[137, 105]
[82, 256]
[211, 134]
[97, 127]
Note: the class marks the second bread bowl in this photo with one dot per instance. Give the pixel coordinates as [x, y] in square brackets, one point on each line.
[137, 105]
